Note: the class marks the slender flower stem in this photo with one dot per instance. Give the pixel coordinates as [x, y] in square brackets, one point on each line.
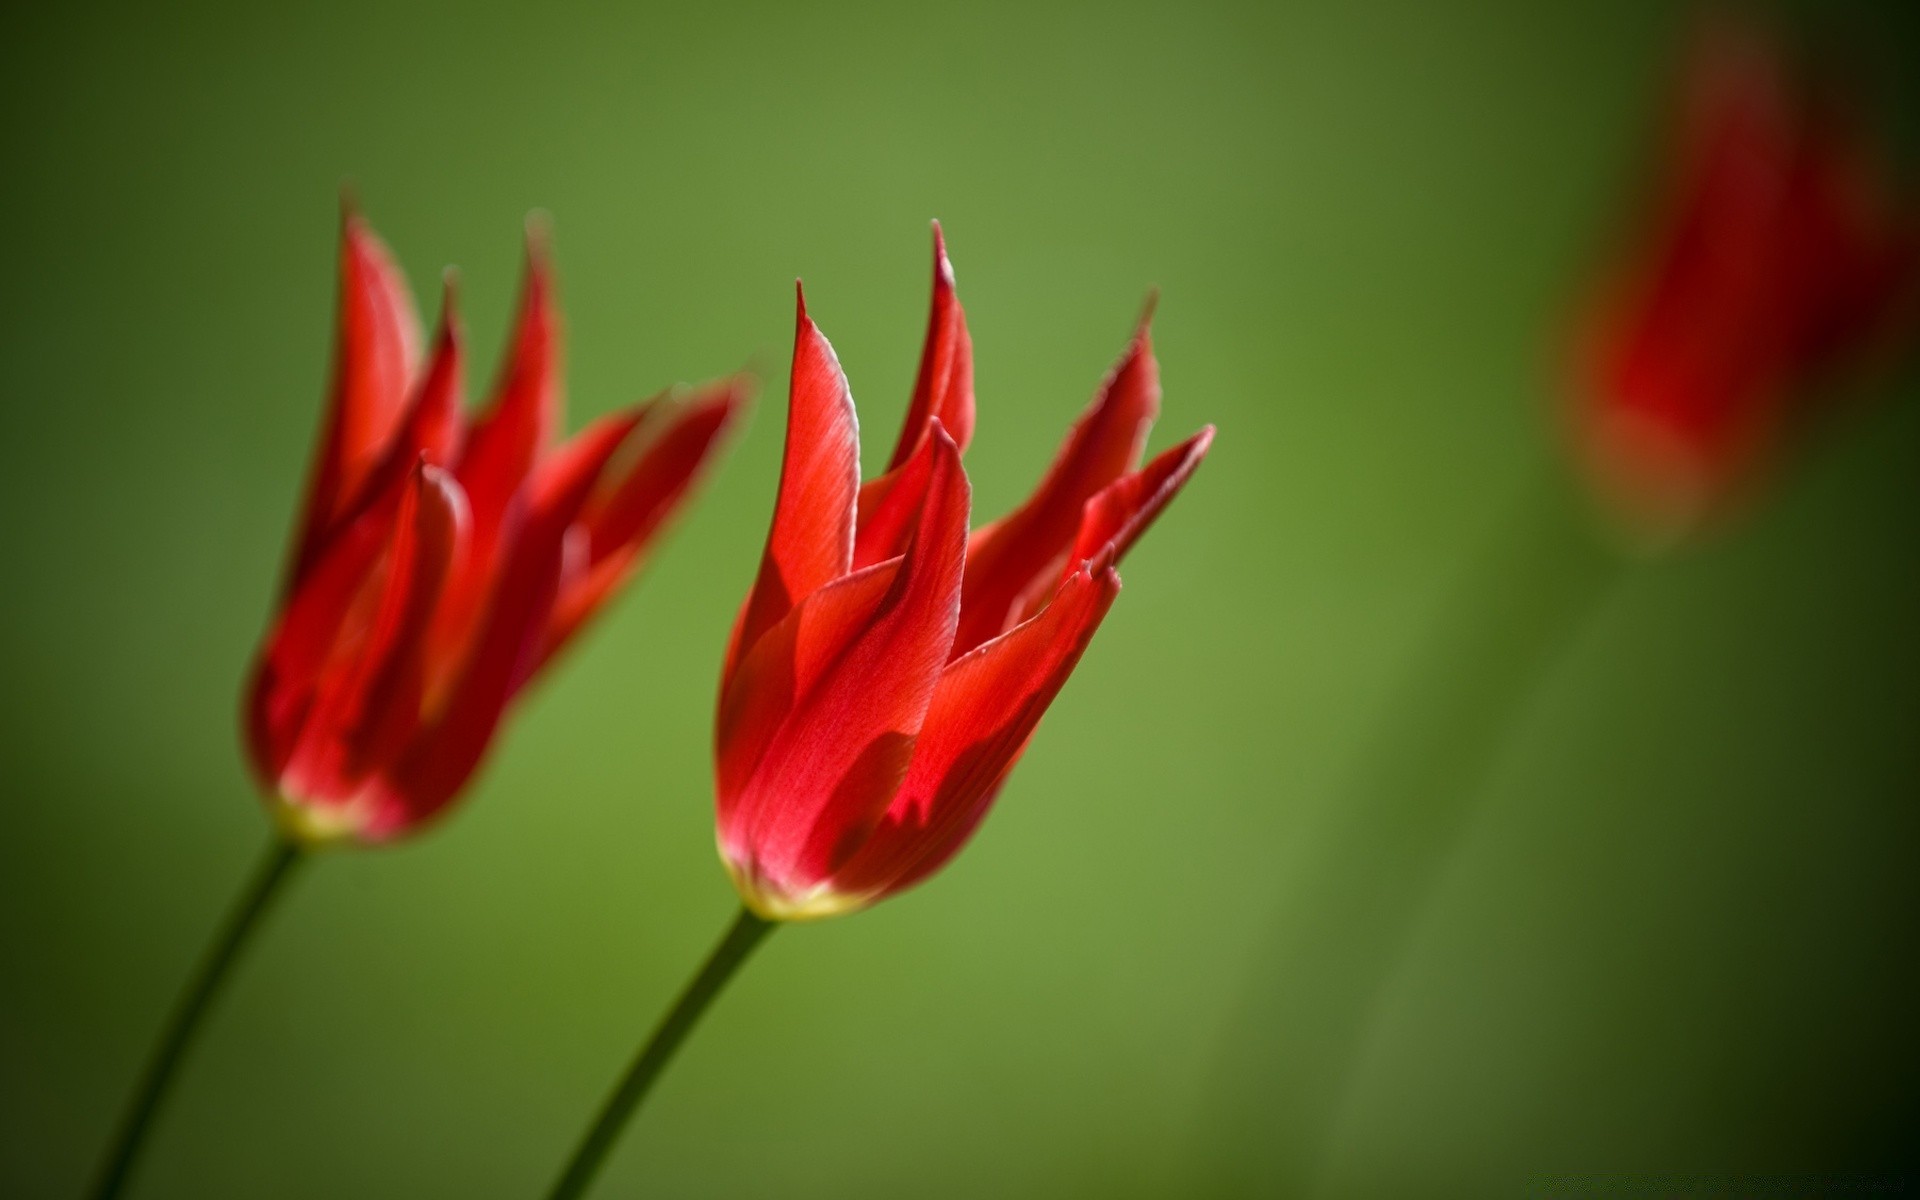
[746, 932]
[276, 867]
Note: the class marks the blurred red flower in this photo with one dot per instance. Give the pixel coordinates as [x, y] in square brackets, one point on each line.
[441, 562]
[1775, 254]
[888, 667]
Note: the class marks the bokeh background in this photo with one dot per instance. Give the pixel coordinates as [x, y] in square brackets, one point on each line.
[1672, 929]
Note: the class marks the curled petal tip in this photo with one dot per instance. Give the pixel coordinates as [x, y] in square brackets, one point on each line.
[349, 203]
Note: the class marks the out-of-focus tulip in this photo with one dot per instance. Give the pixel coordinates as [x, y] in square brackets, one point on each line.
[1776, 254]
[888, 667]
[442, 561]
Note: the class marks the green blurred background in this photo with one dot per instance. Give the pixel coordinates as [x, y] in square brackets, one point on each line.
[1673, 932]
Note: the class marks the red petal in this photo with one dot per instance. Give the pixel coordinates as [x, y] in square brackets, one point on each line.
[860, 671]
[562, 488]
[441, 760]
[367, 706]
[1116, 518]
[676, 442]
[433, 424]
[503, 447]
[983, 712]
[519, 423]
[791, 658]
[943, 391]
[890, 512]
[525, 410]
[376, 352]
[1008, 557]
[811, 541]
[437, 423]
[783, 665]
[392, 709]
[303, 640]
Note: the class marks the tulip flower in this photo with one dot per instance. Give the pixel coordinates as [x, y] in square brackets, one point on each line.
[1776, 256]
[439, 564]
[890, 665]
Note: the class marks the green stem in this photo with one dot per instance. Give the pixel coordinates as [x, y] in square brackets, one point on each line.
[276, 866]
[740, 939]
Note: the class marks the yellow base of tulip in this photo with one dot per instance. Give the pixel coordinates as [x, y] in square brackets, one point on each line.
[771, 905]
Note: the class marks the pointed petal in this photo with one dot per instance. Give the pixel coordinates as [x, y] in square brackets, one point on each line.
[1114, 520]
[520, 420]
[984, 710]
[503, 446]
[632, 503]
[943, 390]
[1009, 556]
[376, 352]
[433, 424]
[833, 761]
[810, 543]
[437, 423]
[429, 434]
[562, 489]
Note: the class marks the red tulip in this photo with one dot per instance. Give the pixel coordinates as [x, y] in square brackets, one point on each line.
[441, 562]
[1776, 255]
[889, 667]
